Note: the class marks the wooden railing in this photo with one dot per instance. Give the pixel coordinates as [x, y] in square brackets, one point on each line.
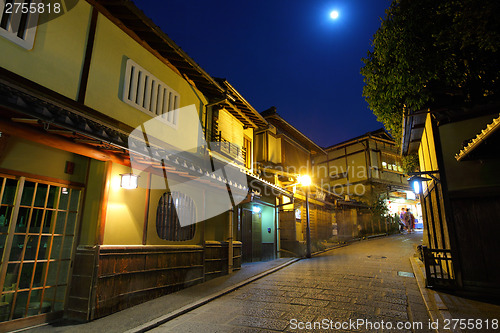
[235, 152]
[439, 268]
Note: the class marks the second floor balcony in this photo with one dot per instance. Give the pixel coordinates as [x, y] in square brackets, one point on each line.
[235, 153]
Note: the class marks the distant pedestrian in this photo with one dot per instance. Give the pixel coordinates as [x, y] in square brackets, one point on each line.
[402, 220]
[407, 219]
[412, 222]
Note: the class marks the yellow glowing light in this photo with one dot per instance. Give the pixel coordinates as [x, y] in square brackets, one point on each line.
[304, 180]
[129, 181]
[334, 14]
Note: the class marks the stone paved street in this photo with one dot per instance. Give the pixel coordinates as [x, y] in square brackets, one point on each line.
[356, 282]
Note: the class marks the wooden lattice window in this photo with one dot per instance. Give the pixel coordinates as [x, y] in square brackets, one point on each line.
[38, 223]
[173, 208]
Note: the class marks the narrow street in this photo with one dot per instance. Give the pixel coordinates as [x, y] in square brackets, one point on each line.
[360, 287]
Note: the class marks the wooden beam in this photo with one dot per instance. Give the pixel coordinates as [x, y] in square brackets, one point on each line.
[25, 120]
[88, 141]
[61, 131]
[58, 142]
[241, 114]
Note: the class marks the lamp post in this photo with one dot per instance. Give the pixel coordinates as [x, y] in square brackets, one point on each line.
[305, 181]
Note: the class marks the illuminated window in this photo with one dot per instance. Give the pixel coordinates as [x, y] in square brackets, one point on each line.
[16, 26]
[145, 92]
[391, 162]
[171, 207]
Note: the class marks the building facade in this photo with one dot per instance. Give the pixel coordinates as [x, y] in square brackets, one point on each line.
[283, 154]
[91, 102]
[366, 169]
[458, 159]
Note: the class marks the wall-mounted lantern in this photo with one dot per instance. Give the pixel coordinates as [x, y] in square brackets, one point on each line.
[129, 181]
[416, 180]
[256, 209]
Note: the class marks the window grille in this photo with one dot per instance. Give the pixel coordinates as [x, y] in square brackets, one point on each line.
[38, 222]
[391, 163]
[145, 92]
[170, 207]
[16, 26]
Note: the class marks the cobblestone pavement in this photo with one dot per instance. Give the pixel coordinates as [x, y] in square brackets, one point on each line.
[363, 283]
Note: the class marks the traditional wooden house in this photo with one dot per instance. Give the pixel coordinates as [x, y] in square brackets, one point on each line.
[363, 167]
[459, 185]
[124, 167]
[366, 168]
[231, 127]
[283, 154]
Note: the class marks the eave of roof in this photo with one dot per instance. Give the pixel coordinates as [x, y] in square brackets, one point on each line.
[413, 128]
[247, 114]
[372, 135]
[30, 108]
[480, 138]
[273, 117]
[135, 20]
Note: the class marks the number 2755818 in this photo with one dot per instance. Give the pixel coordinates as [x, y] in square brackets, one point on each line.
[16, 7]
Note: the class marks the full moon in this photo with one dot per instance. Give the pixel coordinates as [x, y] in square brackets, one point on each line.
[334, 14]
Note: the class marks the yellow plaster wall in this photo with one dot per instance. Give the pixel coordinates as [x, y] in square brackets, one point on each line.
[357, 167]
[56, 59]
[391, 176]
[248, 132]
[274, 148]
[320, 159]
[216, 228]
[112, 48]
[34, 158]
[355, 147]
[295, 159]
[338, 167]
[336, 153]
[125, 213]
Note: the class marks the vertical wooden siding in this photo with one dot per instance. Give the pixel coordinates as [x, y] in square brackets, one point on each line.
[128, 276]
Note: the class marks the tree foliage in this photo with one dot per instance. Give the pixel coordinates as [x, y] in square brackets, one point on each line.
[428, 50]
[410, 163]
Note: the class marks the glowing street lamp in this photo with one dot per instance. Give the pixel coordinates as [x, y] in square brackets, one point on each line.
[304, 180]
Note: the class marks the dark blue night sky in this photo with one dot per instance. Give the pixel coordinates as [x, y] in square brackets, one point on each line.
[289, 54]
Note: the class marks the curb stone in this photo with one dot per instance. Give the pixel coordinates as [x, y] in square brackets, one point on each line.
[435, 306]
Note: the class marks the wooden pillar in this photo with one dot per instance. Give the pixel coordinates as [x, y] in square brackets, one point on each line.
[230, 241]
